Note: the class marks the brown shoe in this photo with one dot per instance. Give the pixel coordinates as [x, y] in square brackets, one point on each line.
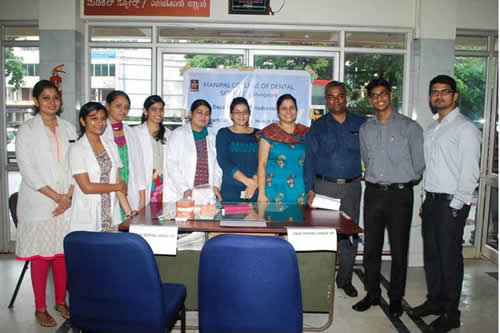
[45, 319]
[63, 309]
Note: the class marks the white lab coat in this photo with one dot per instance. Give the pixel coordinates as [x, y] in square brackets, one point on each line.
[86, 208]
[136, 181]
[144, 137]
[38, 168]
[180, 163]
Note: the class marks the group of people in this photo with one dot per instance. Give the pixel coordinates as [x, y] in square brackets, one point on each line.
[97, 179]
[396, 151]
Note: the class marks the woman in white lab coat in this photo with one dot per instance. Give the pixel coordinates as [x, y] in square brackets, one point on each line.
[152, 137]
[44, 196]
[129, 149]
[95, 166]
[191, 158]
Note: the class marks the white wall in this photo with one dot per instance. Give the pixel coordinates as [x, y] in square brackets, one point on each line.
[59, 15]
[436, 19]
[477, 14]
[19, 9]
[395, 13]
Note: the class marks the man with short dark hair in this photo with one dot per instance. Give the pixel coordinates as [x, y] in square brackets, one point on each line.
[333, 168]
[392, 150]
[452, 150]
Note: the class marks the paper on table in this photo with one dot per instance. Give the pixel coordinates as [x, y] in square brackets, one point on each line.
[242, 223]
[162, 239]
[191, 241]
[312, 239]
[325, 202]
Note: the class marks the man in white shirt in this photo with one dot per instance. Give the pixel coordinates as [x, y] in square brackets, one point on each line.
[452, 150]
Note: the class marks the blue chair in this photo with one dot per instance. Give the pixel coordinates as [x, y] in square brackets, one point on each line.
[114, 285]
[249, 284]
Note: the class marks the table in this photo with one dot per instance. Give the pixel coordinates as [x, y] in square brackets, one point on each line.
[278, 217]
[317, 269]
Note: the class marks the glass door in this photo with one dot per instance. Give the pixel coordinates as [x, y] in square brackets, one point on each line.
[22, 67]
[323, 66]
[489, 235]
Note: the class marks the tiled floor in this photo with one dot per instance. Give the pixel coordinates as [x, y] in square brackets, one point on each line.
[479, 304]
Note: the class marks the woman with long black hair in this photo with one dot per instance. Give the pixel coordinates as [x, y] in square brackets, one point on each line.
[152, 135]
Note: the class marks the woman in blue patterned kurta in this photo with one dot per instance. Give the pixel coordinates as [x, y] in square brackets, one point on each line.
[281, 156]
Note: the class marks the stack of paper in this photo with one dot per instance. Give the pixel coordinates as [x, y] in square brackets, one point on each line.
[325, 202]
[190, 241]
[203, 194]
[228, 222]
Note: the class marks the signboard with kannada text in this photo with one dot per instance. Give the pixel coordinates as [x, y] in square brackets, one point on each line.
[197, 8]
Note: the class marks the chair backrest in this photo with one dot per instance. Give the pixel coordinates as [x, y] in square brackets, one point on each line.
[113, 283]
[13, 207]
[249, 284]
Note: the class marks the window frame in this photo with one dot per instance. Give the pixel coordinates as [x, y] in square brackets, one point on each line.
[488, 179]
[156, 45]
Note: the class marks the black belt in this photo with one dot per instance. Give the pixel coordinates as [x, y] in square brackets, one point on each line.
[390, 187]
[337, 180]
[438, 196]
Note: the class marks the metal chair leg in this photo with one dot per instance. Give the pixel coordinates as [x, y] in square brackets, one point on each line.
[183, 319]
[12, 300]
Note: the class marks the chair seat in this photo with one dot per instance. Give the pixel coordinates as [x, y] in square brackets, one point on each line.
[249, 284]
[108, 294]
[174, 294]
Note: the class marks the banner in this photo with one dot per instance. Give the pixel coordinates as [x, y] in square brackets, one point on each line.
[261, 88]
[146, 7]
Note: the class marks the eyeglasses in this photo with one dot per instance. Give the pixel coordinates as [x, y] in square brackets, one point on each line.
[382, 94]
[333, 97]
[442, 92]
[240, 112]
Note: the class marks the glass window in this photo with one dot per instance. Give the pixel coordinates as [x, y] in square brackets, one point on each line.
[470, 74]
[471, 43]
[19, 62]
[21, 33]
[361, 68]
[492, 238]
[134, 77]
[173, 81]
[493, 146]
[15, 178]
[121, 34]
[219, 36]
[98, 70]
[379, 40]
[322, 67]
[31, 70]
[21, 67]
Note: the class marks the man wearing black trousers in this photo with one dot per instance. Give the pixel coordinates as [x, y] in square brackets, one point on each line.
[392, 150]
[333, 168]
[452, 150]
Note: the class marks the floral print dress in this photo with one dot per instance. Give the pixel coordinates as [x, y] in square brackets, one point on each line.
[105, 165]
[284, 172]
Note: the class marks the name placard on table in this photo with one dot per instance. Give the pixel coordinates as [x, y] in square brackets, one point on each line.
[163, 240]
[313, 239]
